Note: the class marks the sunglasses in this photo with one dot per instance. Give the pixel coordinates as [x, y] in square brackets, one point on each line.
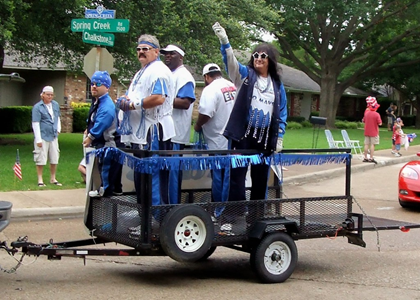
[257, 55]
[144, 49]
[98, 84]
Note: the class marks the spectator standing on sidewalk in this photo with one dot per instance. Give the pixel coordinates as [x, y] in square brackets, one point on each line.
[46, 126]
[372, 121]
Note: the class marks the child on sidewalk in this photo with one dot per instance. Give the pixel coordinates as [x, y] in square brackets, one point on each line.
[397, 137]
[399, 122]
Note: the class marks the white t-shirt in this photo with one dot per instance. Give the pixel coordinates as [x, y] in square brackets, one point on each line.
[262, 102]
[217, 100]
[182, 117]
[141, 87]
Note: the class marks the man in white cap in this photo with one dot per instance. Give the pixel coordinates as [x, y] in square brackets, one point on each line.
[184, 85]
[216, 104]
[46, 126]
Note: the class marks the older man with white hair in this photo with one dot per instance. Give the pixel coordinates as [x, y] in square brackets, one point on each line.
[46, 126]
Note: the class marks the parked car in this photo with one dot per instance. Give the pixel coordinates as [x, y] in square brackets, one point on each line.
[409, 184]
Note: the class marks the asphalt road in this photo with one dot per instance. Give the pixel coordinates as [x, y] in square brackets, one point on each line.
[327, 268]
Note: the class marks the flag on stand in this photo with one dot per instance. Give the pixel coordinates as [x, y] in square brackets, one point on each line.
[16, 168]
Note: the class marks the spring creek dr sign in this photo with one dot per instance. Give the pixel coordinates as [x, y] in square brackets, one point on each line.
[102, 25]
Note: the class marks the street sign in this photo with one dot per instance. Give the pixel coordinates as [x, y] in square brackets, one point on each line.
[98, 38]
[98, 59]
[100, 13]
[102, 25]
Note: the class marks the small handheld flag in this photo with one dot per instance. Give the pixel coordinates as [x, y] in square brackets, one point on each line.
[17, 168]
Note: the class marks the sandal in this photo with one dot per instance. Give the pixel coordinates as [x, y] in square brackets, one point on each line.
[372, 160]
[365, 160]
[41, 184]
[57, 183]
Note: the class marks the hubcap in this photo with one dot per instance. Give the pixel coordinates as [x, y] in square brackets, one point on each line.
[277, 258]
[190, 234]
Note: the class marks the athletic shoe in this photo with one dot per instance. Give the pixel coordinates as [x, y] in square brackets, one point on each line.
[115, 193]
[96, 193]
[226, 227]
[397, 154]
[393, 152]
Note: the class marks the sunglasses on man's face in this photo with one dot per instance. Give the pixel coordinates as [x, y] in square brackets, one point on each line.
[144, 49]
[98, 84]
[257, 55]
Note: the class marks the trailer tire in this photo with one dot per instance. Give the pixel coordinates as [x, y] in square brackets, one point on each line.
[208, 253]
[275, 258]
[186, 233]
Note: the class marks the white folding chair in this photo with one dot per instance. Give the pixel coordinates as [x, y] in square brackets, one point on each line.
[353, 144]
[333, 144]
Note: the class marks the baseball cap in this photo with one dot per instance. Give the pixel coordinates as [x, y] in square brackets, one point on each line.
[48, 88]
[171, 48]
[210, 68]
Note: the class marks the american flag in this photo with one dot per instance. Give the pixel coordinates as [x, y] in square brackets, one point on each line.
[16, 168]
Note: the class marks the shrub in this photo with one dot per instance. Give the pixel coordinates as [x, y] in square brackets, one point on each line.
[294, 125]
[297, 119]
[16, 119]
[314, 113]
[80, 115]
[306, 124]
[345, 125]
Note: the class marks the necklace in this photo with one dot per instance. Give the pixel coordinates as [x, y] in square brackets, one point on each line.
[263, 81]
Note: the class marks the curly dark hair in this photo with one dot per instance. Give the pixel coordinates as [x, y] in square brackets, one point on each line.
[273, 67]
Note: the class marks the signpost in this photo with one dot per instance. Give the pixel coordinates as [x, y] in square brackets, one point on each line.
[98, 22]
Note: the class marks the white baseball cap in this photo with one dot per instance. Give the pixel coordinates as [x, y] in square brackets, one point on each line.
[171, 48]
[210, 68]
[48, 89]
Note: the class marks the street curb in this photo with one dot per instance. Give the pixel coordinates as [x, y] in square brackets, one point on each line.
[339, 171]
[45, 213]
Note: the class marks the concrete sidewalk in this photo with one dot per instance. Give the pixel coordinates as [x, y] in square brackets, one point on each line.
[30, 205]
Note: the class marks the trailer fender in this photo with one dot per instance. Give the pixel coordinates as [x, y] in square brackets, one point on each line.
[259, 228]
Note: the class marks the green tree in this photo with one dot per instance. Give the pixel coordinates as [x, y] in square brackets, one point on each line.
[40, 30]
[337, 35]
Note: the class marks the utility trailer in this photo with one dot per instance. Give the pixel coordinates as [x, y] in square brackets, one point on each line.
[191, 230]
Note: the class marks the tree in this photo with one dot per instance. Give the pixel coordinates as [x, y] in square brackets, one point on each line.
[28, 30]
[337, 35]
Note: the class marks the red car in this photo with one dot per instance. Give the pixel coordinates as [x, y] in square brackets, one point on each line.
[409, 184]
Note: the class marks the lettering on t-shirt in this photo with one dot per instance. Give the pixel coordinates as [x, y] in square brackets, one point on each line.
[229, 93]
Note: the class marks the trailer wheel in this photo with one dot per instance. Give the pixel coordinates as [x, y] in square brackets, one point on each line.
[275, 258]
[208, 253]
[186, 233]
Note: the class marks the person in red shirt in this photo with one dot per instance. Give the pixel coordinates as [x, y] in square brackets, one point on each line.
[372, 121]
[397, 137]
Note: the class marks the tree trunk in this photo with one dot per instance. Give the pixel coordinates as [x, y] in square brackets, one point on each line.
[329, 99]
[417, 106]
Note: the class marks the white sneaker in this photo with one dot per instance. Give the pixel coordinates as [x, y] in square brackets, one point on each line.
[226, 227]
[397, 154]
[96, 193]
[393, 152]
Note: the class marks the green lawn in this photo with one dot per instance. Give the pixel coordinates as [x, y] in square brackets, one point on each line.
[72, 152]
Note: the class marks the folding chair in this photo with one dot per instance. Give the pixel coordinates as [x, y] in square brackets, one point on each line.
[331, 142]
[353, 144]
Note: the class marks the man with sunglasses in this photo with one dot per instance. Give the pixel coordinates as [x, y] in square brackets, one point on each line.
[258, 118]
[184, 85]
[147, 106]
[101, 124]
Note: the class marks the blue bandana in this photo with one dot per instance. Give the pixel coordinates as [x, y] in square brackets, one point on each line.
[102, 77]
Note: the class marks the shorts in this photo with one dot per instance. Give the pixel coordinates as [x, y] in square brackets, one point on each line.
[83, 162]
[49, 150]
[372, 140]
[390, 120]
[398, 147]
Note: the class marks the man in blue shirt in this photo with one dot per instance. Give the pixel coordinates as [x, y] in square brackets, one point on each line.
[46, 126]
[101, 126]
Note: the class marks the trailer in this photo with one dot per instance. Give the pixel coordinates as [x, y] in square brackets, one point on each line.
[192, 229]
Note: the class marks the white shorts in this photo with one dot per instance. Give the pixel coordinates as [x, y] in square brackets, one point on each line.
[49, 150]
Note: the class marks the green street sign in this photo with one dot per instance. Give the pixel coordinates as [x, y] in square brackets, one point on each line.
[102, 25]
[98, 38]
